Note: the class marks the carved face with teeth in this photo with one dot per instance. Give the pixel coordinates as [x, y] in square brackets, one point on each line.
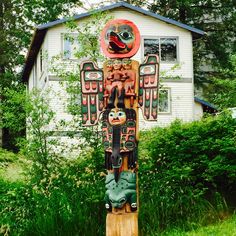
[120, 38]
[116, 117]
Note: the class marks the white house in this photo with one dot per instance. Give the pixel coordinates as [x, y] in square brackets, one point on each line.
[172, 40]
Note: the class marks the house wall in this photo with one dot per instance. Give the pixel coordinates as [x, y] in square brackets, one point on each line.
[182, 97]
[198, 111]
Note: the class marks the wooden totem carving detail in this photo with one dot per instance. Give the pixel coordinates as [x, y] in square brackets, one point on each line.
[115, 93]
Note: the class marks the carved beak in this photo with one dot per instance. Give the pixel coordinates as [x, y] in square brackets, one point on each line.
[115, 42]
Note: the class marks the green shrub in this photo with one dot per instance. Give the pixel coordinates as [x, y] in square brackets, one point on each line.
[69, 202]
[186, 172]
[16, 204]
[58, 196]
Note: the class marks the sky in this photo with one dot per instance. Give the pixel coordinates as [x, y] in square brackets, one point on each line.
[88, 4]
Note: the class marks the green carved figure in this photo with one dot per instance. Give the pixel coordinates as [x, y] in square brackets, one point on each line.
[121, 192]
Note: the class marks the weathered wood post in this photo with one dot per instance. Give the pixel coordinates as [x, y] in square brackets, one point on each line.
[116, 93]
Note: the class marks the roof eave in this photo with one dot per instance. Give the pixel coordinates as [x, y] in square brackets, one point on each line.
[205, 103]
[35, 46]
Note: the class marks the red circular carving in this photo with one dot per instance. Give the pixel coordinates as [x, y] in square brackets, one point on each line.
[120, 38]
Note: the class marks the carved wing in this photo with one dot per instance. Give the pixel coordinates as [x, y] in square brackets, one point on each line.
[148, 87]
[91, 92]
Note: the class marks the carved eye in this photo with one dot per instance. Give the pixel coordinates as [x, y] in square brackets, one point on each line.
[125, 35]
[122, 200]
[120, 114]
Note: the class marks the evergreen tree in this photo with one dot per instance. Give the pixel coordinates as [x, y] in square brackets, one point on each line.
[17, 20]
[212, 53]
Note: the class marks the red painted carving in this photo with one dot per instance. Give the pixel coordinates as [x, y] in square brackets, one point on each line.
[120, 38]
[120, 75]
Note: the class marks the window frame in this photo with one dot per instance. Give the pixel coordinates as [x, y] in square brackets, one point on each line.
[41, 61]
[35, 73]
[159, 38]
[63, 49]
[169, 102]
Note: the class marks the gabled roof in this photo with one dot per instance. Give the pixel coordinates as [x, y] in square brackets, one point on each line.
[131, 7]
[41, 30]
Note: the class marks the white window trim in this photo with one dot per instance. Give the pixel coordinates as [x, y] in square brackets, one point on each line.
[41, 60]
[35, 74]
[41, 63]
[159, 37]
[169, 102]
[72, 58]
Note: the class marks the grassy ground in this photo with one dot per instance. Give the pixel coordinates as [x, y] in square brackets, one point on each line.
[11, 166]
[223, 228]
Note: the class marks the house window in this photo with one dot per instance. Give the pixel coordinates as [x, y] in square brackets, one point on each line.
[70, 46]
[35, 72]
[41, 60]
[164, 101]
[165, 47]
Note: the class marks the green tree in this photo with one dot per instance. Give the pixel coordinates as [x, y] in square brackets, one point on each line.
[212, 53]
[216, 17]
[222, 87]
[17, 20]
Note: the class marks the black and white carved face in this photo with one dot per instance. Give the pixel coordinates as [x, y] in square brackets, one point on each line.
[116, 116]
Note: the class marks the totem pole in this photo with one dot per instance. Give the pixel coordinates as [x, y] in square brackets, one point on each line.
[115, 93]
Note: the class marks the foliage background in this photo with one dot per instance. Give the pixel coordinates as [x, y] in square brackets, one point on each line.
[186, 176]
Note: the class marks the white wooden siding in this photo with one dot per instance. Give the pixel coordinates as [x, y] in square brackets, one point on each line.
[198, 110]
[148, 26]
[58, 100]
[181, 106]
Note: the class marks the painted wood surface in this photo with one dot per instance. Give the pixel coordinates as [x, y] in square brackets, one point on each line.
[124, 224]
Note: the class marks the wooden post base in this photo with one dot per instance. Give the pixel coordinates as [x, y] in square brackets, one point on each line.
[124, 224]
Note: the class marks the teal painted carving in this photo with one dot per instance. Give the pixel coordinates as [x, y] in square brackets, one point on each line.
[121, 192]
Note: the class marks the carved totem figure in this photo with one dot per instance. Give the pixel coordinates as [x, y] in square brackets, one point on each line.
[121, 192]
[117, 92]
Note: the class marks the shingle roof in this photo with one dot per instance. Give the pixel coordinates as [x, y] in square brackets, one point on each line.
[205, 103]
[41, 30]
[131, 7]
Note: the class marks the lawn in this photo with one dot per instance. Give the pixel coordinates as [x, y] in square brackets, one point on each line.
[222, 228]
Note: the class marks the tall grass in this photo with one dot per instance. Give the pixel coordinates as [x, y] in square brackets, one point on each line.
[69, 202]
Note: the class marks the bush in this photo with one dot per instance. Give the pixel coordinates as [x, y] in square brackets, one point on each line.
[69, 201]
[186, 173]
